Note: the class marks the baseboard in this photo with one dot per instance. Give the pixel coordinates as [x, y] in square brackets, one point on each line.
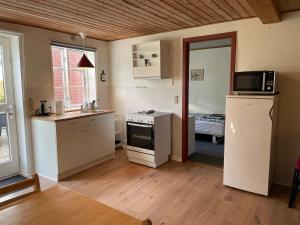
[84, 166]
[176, 158]
[25, 173]
[281, 183]
[47, 178]
[120, 145]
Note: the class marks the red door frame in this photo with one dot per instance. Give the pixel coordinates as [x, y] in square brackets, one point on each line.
[185, 80]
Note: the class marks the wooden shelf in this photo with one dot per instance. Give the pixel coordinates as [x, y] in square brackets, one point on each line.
[145, 51]
[144, 66]
[148, 58]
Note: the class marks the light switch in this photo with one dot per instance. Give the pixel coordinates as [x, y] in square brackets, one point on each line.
[30, 102]
[176, 99]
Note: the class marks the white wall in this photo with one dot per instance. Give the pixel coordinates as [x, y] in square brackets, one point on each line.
[208, 96]
[273, 46]
[37, 72]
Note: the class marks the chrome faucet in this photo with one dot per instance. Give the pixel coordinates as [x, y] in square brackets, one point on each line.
[84, 108]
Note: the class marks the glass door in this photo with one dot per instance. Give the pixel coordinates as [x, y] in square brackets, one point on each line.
[9, 154]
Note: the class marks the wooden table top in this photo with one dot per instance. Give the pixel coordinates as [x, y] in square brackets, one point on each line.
[62, 206]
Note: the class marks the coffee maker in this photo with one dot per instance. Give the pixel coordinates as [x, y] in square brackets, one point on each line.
[44, 108]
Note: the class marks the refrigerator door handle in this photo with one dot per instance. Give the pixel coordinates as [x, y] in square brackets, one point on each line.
[271, 113]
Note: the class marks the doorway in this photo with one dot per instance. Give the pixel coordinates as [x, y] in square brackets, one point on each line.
[208, 67]
[9, 154]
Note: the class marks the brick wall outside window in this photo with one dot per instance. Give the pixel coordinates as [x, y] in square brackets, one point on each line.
[76, 78]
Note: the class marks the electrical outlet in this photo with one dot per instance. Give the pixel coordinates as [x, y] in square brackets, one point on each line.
[30, 102]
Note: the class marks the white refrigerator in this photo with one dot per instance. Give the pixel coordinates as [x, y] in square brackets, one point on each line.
[249, 142]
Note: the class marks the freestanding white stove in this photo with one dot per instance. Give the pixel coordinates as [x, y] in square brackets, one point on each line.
[149, 137]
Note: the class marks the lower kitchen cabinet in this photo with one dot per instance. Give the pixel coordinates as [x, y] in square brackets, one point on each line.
[64, 147]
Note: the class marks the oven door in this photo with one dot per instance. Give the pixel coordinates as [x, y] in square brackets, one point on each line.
[249, 82]
[140, 137]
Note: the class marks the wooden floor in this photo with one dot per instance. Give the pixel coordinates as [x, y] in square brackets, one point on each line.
[180, 194]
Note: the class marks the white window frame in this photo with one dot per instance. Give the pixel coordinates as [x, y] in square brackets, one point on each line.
[65, 72]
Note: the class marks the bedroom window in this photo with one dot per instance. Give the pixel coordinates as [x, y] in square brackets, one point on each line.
[75, 86]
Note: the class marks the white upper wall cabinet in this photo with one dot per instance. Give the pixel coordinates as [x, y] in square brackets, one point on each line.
[151, 60]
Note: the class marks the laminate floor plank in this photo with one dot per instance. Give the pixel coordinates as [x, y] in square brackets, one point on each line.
[180, 194]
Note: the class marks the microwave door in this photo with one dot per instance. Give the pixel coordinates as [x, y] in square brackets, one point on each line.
[248, 82]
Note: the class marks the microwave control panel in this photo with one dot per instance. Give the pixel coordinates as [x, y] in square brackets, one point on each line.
[269, 81]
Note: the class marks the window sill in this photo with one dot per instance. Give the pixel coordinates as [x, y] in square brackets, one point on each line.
[72, 110]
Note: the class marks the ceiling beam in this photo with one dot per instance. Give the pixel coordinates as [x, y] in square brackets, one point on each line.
[266, 10]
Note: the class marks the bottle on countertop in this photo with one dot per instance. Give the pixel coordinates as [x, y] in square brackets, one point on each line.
[93, 105]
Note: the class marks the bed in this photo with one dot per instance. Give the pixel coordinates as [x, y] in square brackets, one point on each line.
[211, 124]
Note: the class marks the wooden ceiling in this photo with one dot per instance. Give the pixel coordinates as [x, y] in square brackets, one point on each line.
[118, 19]
[288, 5]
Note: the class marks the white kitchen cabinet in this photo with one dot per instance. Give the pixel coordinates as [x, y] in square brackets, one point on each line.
[64, 147]
[151, 60]
[102, 136]
[73, 141]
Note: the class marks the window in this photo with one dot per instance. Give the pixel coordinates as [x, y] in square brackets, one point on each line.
[75, 86]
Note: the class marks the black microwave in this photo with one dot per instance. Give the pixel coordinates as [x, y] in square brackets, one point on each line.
[255, 82]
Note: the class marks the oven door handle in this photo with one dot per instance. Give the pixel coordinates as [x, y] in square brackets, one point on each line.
[139, 125]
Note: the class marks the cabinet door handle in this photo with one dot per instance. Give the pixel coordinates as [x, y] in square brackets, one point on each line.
[271, 113]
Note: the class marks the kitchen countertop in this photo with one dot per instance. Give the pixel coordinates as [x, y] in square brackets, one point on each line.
[70, 116]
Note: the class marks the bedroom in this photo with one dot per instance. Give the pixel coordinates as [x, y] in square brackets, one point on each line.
[209, 79]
